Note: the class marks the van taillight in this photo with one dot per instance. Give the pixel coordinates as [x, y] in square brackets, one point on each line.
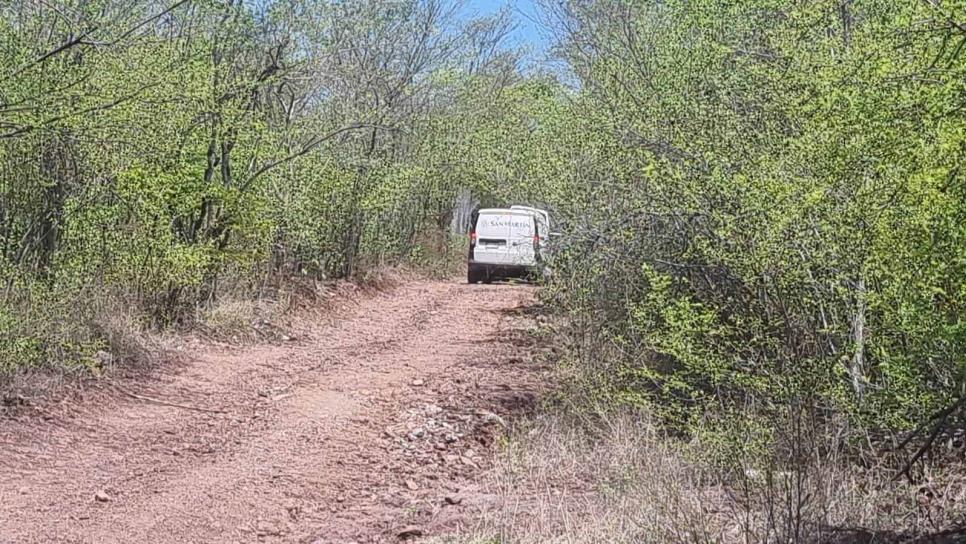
[473, 237]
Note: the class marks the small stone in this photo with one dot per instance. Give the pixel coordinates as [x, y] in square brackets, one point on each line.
[268, 529]
[490, 417]
[103, 358]
[411, 485]
[101, 496]
[411, 531]
[453, 500]
[418, 433]
[450, 438]
[418, 382]
[23, 491]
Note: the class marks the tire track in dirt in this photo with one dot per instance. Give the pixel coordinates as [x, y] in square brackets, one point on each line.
[350, 435]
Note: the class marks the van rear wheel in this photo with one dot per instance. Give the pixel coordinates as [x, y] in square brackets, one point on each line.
[473, 276]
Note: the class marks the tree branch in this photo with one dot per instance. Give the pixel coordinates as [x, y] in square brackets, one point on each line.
[92, 109]
[312, 144]
[79, 40]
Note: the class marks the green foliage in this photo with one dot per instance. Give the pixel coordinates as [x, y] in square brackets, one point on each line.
[764, 204]
[161, 154]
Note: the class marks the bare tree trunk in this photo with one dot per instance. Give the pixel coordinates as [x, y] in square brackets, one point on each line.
[857, 367]
[463, 211]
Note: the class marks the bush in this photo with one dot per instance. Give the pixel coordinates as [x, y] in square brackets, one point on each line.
[779, 224]
[186, 159]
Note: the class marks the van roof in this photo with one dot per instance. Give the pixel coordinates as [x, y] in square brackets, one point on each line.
[504, 211]
[531, 208]
[542, 214]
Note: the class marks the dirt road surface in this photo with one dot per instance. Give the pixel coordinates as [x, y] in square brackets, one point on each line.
[369, 427]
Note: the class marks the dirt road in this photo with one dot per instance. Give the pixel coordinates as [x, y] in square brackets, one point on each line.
[368, 427]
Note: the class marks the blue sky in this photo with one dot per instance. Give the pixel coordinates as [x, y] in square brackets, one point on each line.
[525, 13]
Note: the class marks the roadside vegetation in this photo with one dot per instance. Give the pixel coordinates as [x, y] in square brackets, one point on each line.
[161, 158]
[765, 213]
[760, 288]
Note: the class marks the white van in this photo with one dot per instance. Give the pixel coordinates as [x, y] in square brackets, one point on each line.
[504, 243]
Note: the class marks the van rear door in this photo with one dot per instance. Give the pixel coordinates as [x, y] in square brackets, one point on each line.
[504, 237]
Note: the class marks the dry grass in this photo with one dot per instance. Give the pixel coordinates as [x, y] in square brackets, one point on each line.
[608, 478]
[280, 310]
[564, 480]
[439, 254]
[127, 338]
[86, 338]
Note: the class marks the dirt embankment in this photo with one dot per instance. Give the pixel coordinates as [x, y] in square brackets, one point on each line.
[370, 428]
